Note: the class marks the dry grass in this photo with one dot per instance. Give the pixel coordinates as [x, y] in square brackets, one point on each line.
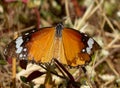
[100, 19]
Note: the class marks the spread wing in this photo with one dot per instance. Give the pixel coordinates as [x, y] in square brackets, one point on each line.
[35, 46]
[78, 47]
[72, 48]
[40, 46]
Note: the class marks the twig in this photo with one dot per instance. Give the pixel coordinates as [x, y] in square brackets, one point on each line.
[113, 41]
[105, 17]
[95, 8]
[85, 17]
[20, 31]
[14, 72]
[107, 83]
[104, 58]
[14, 67]
[112, 67]
[67, 12]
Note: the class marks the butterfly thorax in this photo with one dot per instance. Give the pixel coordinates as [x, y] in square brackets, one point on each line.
[59, 29]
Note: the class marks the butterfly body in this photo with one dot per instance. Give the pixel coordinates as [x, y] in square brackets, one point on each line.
[68, 46]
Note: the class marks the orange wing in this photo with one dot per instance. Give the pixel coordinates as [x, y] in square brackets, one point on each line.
[75, 46]
[33, 45]
[40, 46]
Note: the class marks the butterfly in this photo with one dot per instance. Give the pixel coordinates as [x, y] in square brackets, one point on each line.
[67, 45]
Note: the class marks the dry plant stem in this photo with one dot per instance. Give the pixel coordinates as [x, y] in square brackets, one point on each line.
[112, 35]
[104, 58]
[95, 9]
[102, 33]
[115, 46]
[84, 27]
[44, 22]
[112, 67]
[1, 52]
[14, 72]
[14, 65]
[109, 64]
[85, 17]
[90, 84]
[113, 41]
[106, 83]
[75, 74]
[67, 12]
[90, 76]
[20, 31]
[116, 23]
[105, 17]
[110, 24]
[94, 61]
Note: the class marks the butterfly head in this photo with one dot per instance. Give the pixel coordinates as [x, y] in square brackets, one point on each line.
[59, 29]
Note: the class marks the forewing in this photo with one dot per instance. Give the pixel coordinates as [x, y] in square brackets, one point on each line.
[35, 45]
[40, 46]
[78, 47]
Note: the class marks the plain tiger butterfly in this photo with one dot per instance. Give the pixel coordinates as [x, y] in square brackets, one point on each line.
[67, 45]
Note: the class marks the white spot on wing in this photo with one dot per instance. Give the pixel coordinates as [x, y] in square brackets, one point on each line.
[24, 55]
[24, 49]
[19, 50]
[33, 30]
[83, 50]
[90, 43]
[26, 33]
[86, 35]
[18, 42]
[20, 55]
[88, 50]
